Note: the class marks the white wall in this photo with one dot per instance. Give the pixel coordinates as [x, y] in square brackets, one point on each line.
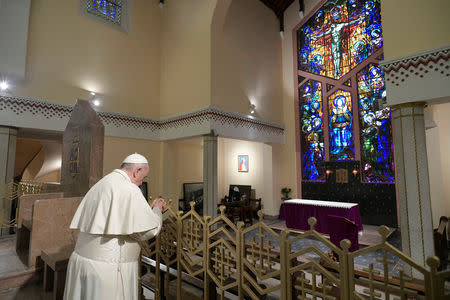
[259, 176]
[438, 149]
[182, 163]
[14, 16]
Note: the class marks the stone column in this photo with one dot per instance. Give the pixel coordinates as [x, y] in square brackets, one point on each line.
[412, 181]
[8, 138]
[210, 183]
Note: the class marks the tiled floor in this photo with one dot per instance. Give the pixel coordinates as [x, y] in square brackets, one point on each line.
[9, 261]
[370, 237]
[29, 292]
[34, 292]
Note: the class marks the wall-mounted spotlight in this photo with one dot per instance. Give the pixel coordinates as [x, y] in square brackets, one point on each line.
[94, 100]
[4, 85]
[252, 109]
[281, 20]
[301, 10]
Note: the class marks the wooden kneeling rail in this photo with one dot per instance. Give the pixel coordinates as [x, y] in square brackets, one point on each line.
[185, 277]
[194, 281]
[55, 268]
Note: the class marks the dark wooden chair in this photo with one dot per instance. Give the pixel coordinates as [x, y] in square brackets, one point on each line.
[441, 248]
[256, 206]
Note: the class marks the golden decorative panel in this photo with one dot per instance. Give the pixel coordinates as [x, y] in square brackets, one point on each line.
[255, 261]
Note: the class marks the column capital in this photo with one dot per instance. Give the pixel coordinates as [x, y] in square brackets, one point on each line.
[8, 130]
[408, 105]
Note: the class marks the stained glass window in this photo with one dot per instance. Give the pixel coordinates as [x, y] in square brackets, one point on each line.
[110, 10]
[311, 123]
[339, 36]
[340, 120]
[336, 50]
[375, 127]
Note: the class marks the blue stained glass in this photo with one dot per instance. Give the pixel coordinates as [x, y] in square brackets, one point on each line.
[375, 125]
[341, 126]
[110, 10]
[311, 124]
[339, 36]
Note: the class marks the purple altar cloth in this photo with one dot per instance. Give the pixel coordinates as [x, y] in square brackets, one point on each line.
[342, 228]
[296, 216]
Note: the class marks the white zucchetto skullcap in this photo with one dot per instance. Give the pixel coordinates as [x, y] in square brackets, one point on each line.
[135, 159]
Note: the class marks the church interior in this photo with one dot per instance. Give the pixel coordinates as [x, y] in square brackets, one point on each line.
[301, 145]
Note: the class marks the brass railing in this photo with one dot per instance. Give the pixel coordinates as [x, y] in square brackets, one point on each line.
[255, 261]
[10, 192]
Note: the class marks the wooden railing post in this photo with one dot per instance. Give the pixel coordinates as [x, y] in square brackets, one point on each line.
[179, 249]
[434, 286]
[158, 281]
[206, 283]
[239, 259]
[284, 265]
[346, 273]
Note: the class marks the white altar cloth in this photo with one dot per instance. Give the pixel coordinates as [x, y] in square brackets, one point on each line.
[321, 203]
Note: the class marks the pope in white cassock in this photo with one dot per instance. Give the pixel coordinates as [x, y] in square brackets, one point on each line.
[112, 218]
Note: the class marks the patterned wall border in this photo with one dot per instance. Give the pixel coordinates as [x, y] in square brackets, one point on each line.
[40, 114]
[418, 77]
[418, 65]
[416, 60]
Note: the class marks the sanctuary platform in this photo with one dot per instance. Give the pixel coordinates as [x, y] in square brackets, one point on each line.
[368, 237]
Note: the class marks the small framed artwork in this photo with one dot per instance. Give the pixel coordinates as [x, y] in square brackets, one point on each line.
[242, 163]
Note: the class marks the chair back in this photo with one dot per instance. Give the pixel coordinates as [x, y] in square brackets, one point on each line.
[442, 224]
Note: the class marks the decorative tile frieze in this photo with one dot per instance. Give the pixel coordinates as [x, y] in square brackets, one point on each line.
[434, 63]
[25, 112]
[122, 120]
[418, 77]
[35, 107]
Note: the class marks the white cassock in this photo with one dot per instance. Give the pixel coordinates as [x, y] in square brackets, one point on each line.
[112, 217]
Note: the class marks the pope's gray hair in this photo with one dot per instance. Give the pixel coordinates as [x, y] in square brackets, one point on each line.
[131, 167]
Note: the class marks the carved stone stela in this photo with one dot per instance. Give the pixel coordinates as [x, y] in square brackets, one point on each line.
[82, 163]
[73, 159]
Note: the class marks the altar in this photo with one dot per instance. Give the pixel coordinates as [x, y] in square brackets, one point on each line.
[297, 211]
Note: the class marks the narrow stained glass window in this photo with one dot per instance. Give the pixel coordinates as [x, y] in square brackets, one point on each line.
[375, 125]
[110, 10]
[340, 122]
[311, 124]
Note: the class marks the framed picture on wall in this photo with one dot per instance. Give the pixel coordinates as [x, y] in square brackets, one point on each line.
[242, 163]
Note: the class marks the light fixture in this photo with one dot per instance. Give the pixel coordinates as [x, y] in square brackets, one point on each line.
[4, 85]
[96, 102]
[281, 20]
[161, 4]
[301, 10]
[252, 109]
[92, 94]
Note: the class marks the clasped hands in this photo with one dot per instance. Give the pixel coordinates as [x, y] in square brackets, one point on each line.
[160, 203]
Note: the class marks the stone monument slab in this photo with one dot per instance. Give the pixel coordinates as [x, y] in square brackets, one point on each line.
[82, 157]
